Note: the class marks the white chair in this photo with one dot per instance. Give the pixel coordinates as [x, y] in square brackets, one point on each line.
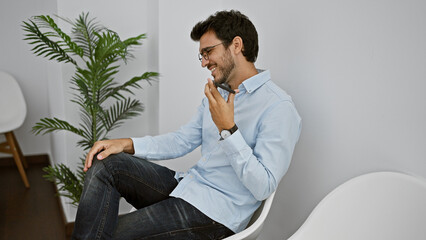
[12, 114]
[374, 206]
[255, 225]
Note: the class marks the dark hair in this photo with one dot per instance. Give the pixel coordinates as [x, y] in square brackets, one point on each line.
[227, 25]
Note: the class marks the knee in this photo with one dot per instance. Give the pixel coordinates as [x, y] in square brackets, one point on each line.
[113, 161]
[109, 163]
[97, 166]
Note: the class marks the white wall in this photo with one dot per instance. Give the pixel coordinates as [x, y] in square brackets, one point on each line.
[356, 71]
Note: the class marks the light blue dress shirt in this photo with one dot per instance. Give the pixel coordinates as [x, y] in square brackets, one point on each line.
[233, 175]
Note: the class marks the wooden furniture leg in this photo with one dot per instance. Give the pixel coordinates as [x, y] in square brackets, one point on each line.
[17, 155]
[18, 148]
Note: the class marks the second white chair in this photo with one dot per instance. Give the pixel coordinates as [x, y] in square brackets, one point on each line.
[374, 206]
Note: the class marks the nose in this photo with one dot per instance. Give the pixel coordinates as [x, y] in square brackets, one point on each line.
[204, 62]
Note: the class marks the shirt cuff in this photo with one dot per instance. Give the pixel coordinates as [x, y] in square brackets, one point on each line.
[140, 145]
[233, 144]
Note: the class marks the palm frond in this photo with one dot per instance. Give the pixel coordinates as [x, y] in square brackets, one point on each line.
[134, 82]
[81, 86]
[47, 22]
[121, 110]
[85, 144]
[102, 74]
[43, 45]
[131, 42]
[134, 40]
[109, 47]
[84, 30]
[69, 184]
[47, 125]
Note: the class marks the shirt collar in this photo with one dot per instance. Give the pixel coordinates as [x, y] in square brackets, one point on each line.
[250, 85]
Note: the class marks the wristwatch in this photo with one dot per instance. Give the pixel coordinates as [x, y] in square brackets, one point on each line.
[228, 132]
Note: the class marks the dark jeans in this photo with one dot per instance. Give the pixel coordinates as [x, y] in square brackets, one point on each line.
[146, 186]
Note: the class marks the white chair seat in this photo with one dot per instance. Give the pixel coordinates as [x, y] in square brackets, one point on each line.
[375, 206]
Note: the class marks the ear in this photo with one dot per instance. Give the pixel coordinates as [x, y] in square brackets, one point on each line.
[237, 44]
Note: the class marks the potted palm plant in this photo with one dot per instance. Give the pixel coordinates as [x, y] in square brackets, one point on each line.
[96, 53]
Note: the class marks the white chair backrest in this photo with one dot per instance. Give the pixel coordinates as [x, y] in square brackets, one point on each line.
[374, 206]
[12, 104]
[255, 225]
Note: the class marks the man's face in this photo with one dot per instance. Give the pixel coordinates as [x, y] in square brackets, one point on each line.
[220, 61]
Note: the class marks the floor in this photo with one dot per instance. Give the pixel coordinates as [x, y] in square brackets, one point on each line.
[32, 213]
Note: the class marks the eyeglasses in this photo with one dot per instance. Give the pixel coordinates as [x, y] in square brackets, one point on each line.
[206, 51]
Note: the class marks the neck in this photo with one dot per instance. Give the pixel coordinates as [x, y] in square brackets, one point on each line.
[242, 73]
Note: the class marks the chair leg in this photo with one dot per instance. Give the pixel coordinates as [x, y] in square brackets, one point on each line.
[14, 148]
[18, 148]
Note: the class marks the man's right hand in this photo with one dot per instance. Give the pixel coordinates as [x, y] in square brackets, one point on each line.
[107, 147]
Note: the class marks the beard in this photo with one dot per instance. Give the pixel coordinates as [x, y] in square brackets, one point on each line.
[225, 70]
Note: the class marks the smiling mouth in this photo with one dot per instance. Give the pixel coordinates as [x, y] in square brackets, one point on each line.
[212, 70]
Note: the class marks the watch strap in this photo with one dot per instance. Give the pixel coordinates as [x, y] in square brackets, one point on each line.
[233, 129]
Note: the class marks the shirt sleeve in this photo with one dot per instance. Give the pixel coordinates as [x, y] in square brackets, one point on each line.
[261, 168]
[171, 145]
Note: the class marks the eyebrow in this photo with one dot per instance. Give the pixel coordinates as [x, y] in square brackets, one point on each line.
[206, 49]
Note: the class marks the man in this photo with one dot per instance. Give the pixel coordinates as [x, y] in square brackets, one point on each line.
[247, 140]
